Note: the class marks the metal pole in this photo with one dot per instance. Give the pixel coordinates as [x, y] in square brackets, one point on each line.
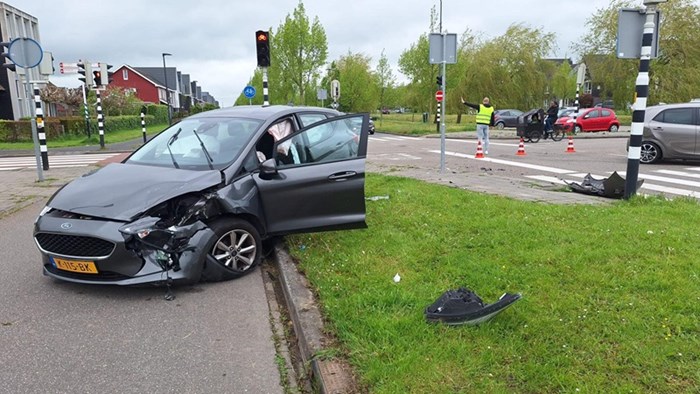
[41, 134]
[143, 126]
[100, 119]
[266, 97]
[444, 98]
[35, 136]
[640, 104]
[167, 90]
[87, 113]
[576, 104]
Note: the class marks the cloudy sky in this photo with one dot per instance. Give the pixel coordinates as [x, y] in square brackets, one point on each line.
[213, 40]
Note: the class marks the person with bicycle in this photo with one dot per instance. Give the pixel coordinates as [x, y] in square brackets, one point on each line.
[552, 113]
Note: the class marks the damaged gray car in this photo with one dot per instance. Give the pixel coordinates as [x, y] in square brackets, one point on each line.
[195, 202]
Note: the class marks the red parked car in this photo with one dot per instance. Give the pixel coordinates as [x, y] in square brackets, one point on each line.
[590, 119]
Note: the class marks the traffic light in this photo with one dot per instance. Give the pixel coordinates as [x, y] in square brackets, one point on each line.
[105, 73]
[97, 78]
[4, 55]
[438, 80]
[85, 68]
[262, 44]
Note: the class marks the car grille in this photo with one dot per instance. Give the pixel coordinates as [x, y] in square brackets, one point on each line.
[74, 245]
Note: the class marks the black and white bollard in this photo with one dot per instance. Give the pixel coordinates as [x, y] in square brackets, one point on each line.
[100, 119]
[437, 115]
[143, 126]
[41, 133]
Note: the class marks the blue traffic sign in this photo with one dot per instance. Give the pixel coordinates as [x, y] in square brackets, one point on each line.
[249, 92]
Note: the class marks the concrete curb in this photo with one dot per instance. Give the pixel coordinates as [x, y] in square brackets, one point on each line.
[329, 376]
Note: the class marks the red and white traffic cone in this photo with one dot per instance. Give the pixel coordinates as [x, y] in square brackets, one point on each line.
[570, 146]
[521, 148]
[479, 151]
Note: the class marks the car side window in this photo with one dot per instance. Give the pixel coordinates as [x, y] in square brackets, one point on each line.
[676, 116]
[335, 140]
[309, 119]
[606, 113]
[592, 114]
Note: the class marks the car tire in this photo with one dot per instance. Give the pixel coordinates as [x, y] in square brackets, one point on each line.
[614, 128]
[577, 129]
[651, 153]
[236, 250]
[500, 125]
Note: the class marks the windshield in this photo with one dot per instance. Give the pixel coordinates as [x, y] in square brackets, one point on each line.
[198, 144]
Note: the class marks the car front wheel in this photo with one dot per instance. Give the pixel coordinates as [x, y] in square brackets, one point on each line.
[577, 129]
[651, 153]
[236, 252]
[613, 128]
[500, 125]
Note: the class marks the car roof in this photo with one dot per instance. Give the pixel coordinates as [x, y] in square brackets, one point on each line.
[261, 112]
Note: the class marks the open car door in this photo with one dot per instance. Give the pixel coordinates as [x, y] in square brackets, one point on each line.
[315, 180]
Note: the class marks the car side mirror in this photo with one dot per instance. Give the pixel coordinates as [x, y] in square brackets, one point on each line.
[268, 169]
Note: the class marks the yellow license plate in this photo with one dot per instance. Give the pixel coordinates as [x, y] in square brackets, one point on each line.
[83, 267]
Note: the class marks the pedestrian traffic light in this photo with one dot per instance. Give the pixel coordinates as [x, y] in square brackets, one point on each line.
[438, 80]
[97, 78]
[85, 69]
[262, 44]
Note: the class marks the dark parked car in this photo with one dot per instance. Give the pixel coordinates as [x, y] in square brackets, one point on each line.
[671, 132]
[506, 118]
[195, 202]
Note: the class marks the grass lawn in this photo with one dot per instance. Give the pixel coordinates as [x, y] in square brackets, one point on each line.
[73, 140]
[611, 299]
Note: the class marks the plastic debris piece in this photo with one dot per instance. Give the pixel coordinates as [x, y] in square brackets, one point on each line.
[463, 306]
[397, 278]
[376, 198]
[611, 187]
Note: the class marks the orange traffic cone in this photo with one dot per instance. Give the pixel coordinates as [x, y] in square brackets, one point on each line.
[521, 148]
[570, 146]
[479, 151]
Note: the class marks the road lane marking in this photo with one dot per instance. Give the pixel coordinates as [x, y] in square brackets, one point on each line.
[645, 185]
[508, 163]
[678, 173]
[665, 179]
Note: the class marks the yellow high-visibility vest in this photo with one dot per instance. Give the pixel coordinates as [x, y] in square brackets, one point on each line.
[484, 115]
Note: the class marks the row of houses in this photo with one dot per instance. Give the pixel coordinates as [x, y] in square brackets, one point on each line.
[157, 85]
[149, 84]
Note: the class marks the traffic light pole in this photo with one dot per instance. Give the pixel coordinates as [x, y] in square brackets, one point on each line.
[444, 101]
[35, 137]
[639, 109]
[266, 97]
[87, 113]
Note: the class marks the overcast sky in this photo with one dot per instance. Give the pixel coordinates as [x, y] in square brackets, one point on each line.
[213, 40]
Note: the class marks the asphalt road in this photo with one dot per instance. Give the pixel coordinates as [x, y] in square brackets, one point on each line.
[67, 338]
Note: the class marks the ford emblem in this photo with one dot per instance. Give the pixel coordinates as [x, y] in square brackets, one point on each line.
[66, 226]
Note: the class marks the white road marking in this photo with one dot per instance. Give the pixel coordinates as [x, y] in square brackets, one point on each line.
[667, 180]
[508, 163]
[56, 161]
[645, 185]
[678, 173]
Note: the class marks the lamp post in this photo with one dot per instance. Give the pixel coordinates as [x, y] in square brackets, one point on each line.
[167, 91]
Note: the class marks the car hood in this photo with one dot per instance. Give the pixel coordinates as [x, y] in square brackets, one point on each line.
[122, 191]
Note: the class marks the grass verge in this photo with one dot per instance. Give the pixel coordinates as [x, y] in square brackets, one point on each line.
[82, 140]
[610, 293]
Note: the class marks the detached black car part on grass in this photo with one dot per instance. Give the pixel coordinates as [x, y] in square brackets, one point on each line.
[196, 201]
[463, 306]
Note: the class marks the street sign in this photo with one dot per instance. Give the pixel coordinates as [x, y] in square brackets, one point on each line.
[249, 92]
[321, 94]
[581, 74]
[438, 95]
[443, 47]
[630, 28]
[25, 52]
[67, 68]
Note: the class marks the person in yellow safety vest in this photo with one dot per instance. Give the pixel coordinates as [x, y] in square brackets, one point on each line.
[484, 119]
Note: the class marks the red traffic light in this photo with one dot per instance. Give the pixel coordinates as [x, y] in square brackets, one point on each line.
[262, 36]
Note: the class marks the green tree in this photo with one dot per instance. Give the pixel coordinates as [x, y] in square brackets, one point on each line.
[673, 75]
[358, 90]
[563, 83]
[385, 79]
[298, 51]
